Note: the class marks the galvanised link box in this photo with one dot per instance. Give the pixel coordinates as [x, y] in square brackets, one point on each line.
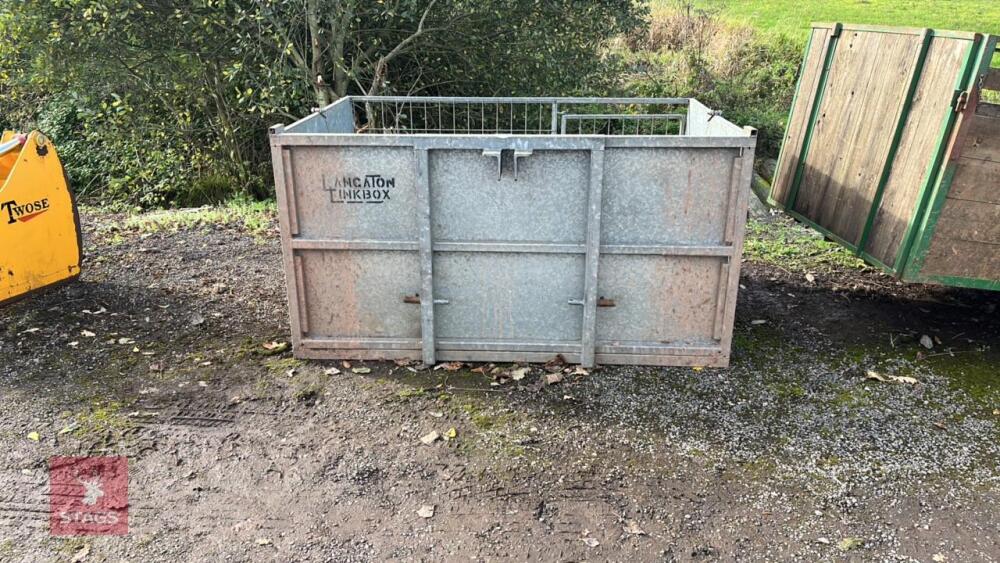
[513, 229]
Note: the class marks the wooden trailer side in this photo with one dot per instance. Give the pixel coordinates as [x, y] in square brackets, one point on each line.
[960, 241]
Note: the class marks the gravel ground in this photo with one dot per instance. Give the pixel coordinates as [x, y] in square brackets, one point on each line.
[834, 436]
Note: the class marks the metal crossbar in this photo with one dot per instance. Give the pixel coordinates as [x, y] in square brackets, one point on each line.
[519, 116]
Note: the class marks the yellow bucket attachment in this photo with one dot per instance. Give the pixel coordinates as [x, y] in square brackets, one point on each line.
[39, 226]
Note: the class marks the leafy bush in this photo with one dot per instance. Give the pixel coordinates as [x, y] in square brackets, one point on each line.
[689, 52]
[158, 102]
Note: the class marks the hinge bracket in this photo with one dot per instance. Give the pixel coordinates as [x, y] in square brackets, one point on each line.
[961, 101]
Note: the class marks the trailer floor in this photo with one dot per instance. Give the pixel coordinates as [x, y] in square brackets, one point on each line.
[795, 452]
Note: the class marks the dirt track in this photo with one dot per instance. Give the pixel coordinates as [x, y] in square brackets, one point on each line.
[238, 455]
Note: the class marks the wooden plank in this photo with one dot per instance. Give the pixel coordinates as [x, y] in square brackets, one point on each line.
[795, 131]
[963, 259]
[931, 105]
[966, 242]
[992, 80]
[970, 221]
[988, 110]
[976, 180]
[983, 139]
[865, 93]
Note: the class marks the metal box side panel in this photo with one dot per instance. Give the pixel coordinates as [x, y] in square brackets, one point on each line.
[509, 296]
[668, 300]
[704, 122]
[354, 193]
[359, 293]
[474, 199]
[666, 196]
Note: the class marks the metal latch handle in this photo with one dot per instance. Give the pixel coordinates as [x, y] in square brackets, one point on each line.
[601, 302]
[415, 300]
[518, 154]
[498, 154]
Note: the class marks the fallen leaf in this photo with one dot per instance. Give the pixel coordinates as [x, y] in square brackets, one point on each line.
[824, 541]
[580, 370]
[263, 541]
[758, 322]
[361, 370]
[939, 558]
[872, 374]
[125, 340]
[197, 320]
[632, 527]
[30, 330]
[810, 278]
[451, 434]
[403, 362]
[73, 344]
[555, 364]
[480, 370]
[274, 348]
[449, 366]
[553, 378]
[332, 371]
[847, 544]
[426, 511]
[430, 438]
[698, 368]
[34, 437]
[68, 428]
[591, 542]
[926, 342]
[996, 412]
[346, 364]
[436, 414]
[519, 373]
[202, 384]
[87, 333]
[81, 554]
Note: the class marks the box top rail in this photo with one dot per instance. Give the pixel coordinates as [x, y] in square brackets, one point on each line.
[537, 115]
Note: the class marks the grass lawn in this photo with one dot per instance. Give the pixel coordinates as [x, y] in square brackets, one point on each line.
[792, 17]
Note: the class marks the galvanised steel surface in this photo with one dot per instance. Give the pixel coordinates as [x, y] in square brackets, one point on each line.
[474, 229]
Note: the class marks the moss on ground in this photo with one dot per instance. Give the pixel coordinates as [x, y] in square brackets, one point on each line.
[252, 216]
[794, 248]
